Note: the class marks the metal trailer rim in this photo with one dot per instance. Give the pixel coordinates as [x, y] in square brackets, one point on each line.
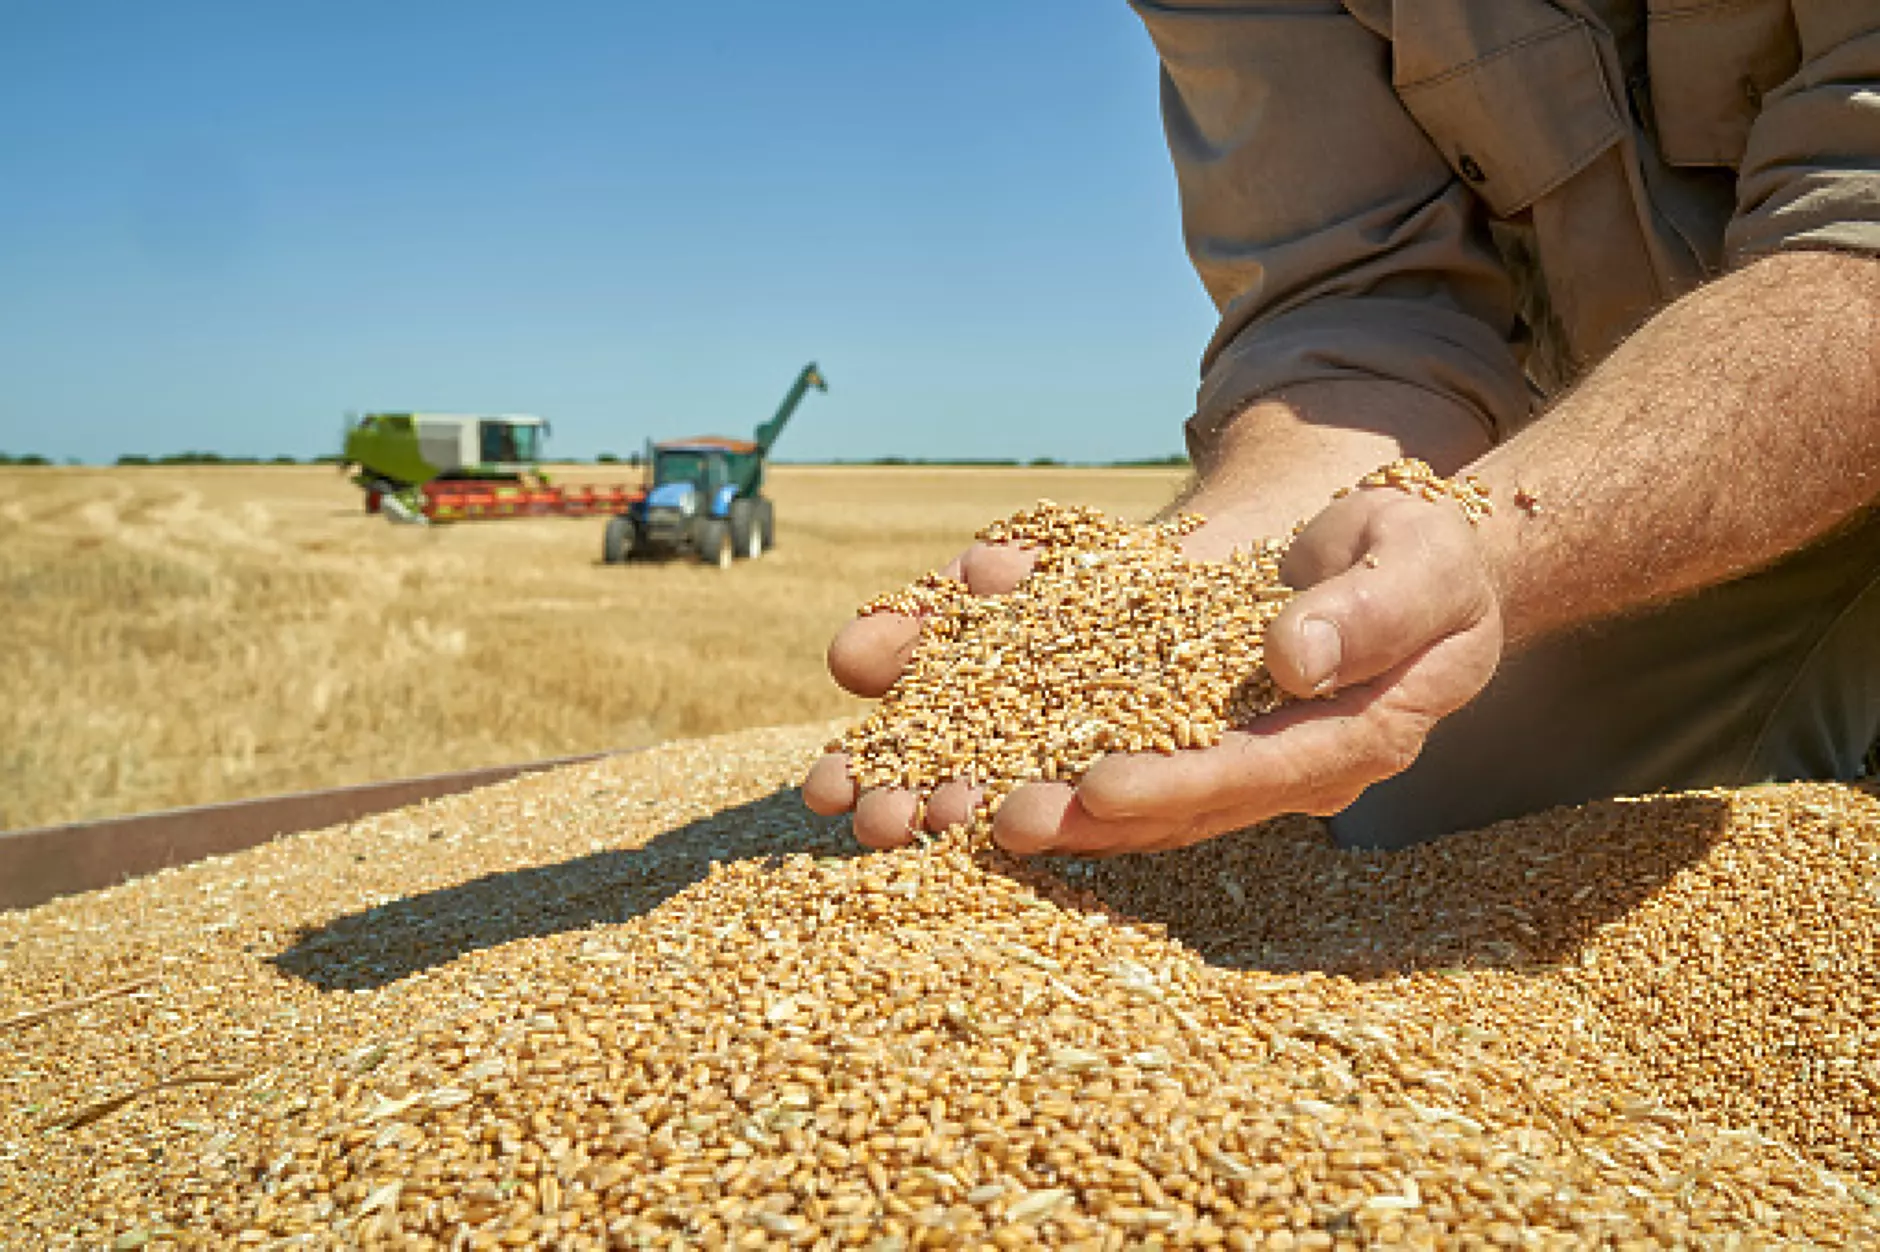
[39, 864]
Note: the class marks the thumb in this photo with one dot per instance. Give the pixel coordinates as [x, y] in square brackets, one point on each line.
[1409, 583]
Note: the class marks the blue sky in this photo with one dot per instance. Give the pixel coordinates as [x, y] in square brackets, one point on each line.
[222, 226]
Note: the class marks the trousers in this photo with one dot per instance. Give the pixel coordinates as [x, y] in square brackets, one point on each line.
[1771, 677]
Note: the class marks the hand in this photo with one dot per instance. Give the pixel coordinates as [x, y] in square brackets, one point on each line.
[866, 658]
[1397, 626]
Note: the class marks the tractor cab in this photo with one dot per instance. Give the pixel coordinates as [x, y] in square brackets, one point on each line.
[700, 475]
[510, 443]
[702, 467]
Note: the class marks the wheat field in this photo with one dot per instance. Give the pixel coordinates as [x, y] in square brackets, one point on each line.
[193, 634]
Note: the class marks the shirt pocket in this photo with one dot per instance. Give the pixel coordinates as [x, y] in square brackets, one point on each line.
[1518, 120]
[1711, 63]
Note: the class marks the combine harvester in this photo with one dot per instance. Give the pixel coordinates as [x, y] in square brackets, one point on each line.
[706, 495]
[449, 467]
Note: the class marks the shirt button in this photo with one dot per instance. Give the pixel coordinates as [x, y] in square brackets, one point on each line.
[1470, 170]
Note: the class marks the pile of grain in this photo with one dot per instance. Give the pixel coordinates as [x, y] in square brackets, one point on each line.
[1115, 642]
[651, 1002]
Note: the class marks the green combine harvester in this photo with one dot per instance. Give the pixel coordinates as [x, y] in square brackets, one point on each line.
[417, 467]
[706, 496]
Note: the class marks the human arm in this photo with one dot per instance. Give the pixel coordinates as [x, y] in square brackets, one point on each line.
[1739, 424]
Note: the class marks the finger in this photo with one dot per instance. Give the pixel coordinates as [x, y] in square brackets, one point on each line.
[1048, 817]
[1282, 764]
[1409, 588]
[952, 804]
[885, 818]
[828, 789]
[868, 654]
[1305, 758]
[1335, 540]
[1031, 818]
[994, 569]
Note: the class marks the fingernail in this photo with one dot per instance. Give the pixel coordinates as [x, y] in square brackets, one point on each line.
[1320, 650]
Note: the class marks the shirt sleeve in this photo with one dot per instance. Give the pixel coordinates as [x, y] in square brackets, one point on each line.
[1328, 230]
[1810, 177]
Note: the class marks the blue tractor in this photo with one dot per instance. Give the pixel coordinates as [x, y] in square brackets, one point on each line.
[705, 495]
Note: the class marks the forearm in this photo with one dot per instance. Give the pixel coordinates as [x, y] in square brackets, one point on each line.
[1736, 426]
[1280, 460]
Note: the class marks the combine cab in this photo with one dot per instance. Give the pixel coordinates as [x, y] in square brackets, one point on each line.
[446, 467]
[706, 496]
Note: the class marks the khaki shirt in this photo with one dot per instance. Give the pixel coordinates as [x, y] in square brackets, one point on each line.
[1482, 197]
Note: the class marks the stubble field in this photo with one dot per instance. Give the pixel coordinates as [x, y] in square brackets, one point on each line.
[182, 636]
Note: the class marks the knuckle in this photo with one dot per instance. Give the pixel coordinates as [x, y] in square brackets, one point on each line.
[1396, 742]
[972, 563]
[1110, 791]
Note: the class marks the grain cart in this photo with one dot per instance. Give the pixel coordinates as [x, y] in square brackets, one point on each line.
[705, 495]
[445, 467]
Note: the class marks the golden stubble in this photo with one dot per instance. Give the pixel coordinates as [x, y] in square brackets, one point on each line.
[181, 636]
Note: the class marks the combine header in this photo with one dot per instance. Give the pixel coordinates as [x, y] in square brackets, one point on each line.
[706, 496]
[450, 467]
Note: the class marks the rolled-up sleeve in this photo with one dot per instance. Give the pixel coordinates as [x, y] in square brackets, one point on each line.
[1810, 176]
[1330, 233]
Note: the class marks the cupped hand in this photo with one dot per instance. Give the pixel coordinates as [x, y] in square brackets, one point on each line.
[1397, 625]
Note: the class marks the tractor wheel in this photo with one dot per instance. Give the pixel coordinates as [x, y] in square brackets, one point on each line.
[714, 543]
[767, 523]
[619, 540]
[747, 540]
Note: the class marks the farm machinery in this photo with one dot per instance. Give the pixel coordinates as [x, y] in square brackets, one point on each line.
[447, 467]
[705, 495]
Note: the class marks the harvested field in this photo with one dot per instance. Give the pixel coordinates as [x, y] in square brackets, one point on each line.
[652, 1002]
[182, 636]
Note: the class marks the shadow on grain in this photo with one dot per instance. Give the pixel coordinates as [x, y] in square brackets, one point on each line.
[381, 945]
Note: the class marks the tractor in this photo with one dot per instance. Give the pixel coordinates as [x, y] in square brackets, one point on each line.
[704, 496]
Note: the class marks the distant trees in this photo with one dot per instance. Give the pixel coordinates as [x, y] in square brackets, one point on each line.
[1174, 461]
[936, 460]
[212, 458]
[31, 458]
